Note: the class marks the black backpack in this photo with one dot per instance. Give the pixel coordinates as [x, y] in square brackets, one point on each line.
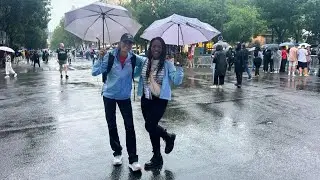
[110, 64]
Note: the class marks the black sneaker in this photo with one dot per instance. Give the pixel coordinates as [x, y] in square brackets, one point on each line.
[61, 76]
[155, 163]
[170, 143]
[67, 77]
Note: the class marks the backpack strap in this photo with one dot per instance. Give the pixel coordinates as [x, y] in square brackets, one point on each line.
[109, 67]
[133, 63]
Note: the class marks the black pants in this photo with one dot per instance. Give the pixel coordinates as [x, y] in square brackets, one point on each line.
[266, 63]
[257, 64]
[153, 111]
[230, 65]
[218, 80]
[271, 65]
[239, 77]
[126, 111]
[36, 62]
[283, 65]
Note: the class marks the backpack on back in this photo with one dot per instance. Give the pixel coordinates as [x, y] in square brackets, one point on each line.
[62, 55]
[110, 64]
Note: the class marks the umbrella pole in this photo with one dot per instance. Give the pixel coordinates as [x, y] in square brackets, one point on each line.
[103, 18]
[178, 38]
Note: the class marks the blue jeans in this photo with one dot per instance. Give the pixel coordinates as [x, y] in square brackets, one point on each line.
[246, 66]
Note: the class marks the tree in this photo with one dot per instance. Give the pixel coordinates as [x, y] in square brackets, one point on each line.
[312, 17]
[60, 35]
[244, 23]
[25, 21]
[280, 15]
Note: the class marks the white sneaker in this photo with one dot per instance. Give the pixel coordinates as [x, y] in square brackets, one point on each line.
[289, 74]
[293, 75]
[220, 87]
[214, 87]
[6, 77]
[135, 167]
[15, 75]
[117, 160]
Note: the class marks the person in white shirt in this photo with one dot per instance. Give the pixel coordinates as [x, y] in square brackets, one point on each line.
[9, 69]
[302, 61]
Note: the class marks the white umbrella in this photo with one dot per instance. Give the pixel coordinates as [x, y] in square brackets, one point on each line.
[290, 44]
[180, 30]
[100, 21]
[7, 49]
[305, 44]
[223, 44]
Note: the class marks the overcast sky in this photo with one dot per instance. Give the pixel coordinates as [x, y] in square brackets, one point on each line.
[59, 7]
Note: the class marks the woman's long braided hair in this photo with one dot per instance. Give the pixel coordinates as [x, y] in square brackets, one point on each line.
[162, 57]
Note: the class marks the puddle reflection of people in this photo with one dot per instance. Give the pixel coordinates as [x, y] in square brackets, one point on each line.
[156, 174]
[154, 87]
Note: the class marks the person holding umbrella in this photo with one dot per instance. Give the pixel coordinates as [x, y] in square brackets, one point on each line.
[9, 69]
[118, 68]
[155, 91]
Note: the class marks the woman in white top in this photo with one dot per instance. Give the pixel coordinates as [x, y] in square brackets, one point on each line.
[9, 69]
[302, 61]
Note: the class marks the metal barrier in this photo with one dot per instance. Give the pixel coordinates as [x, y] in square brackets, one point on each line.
[314, 65]
[202, 61]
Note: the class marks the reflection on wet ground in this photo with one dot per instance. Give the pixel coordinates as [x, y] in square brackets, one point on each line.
[269, 129]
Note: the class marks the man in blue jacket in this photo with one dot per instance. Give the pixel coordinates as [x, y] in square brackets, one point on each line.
[118, 67]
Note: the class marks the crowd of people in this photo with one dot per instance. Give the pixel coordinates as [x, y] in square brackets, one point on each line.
[274, 60]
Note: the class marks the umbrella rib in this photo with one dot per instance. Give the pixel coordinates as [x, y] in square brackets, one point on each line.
[118, 23]
[84, 18]
[93, 10]
[181, 35]
[107, 30]
[167, 28]
[90, 27]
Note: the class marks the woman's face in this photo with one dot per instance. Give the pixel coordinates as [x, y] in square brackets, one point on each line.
[156, 49]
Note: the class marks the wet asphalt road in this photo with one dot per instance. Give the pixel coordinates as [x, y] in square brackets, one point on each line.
[56, 129]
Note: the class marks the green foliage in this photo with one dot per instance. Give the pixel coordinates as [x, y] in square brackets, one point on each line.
[244, 23]
[311, 13]
[25, 21]
[282, 16]
[60, 35]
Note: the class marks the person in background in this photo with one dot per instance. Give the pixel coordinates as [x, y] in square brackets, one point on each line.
[36, 59]
[220, 59]
[258, 56]
[319, 62]
[267, 60]
[293, 60]
[239, 65]
[155, 91]
[117, 90]
[309, 58]
[8, 65]
[230, 58]
[284, 56]
[277, 60]
[190, 60]
[302, 61]
[27, 55]
[62, 60]
[246, 60]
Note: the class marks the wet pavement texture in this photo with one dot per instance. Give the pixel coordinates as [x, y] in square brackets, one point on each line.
[56, 129]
